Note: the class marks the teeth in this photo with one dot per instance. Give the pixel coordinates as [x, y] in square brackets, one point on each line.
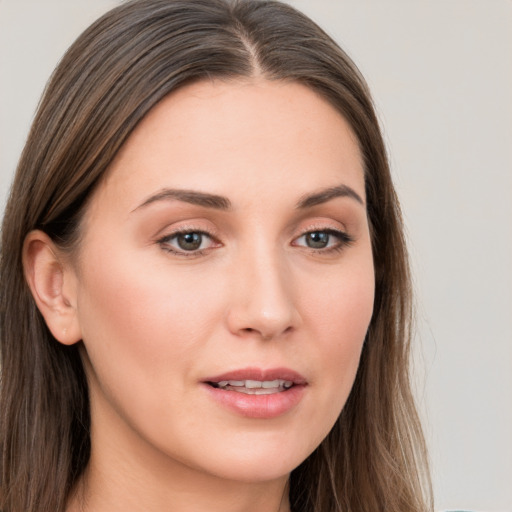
[255, 387]
[270, 384]
[224, 383]
[259, 391]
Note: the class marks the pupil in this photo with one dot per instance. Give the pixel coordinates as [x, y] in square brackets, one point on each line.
[317, 239]
[189, 241]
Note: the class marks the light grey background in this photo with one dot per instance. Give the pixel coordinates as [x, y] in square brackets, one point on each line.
[441, 75]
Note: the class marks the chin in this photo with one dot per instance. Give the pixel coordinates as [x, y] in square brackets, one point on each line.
[258, 461]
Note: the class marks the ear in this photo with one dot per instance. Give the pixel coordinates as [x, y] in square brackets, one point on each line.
[53, 284]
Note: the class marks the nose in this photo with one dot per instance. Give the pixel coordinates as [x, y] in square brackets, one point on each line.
[263, 302]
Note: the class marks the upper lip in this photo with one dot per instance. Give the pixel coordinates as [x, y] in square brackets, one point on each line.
[259, 375]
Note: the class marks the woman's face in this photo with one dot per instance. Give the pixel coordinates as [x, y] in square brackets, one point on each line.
[225, 283]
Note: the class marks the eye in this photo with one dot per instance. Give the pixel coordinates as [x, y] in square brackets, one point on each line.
[187, 242]
[323, 240]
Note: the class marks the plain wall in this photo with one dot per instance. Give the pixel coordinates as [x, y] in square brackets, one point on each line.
[441, 76]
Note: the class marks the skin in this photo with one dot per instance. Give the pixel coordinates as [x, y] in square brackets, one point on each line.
[156, 320]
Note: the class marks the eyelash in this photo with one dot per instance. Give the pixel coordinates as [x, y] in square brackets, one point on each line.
[344, 240]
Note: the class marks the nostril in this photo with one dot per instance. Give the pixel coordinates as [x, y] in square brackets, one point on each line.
[266, 335]
[252, 330]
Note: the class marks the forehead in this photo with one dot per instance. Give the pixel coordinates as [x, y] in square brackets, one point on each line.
[237, 137]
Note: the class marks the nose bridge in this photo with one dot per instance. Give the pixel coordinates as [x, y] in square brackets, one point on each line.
[264, 300]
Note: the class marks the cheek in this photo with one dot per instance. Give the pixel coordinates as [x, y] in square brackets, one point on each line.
[143, 337]
[134, 298]
[340, 303]
[339, 316]
[145, 319]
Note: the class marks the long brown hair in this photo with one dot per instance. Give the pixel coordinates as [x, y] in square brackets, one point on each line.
[123, 65]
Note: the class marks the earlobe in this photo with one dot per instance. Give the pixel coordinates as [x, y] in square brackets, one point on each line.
[52, 282]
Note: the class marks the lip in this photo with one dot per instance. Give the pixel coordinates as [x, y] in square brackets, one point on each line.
[259, 374]
[258, 406]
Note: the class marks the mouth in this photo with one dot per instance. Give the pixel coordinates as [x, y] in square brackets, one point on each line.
[258, 393]
[255, 381]
[253, 387]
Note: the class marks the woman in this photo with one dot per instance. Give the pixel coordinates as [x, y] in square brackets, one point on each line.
[205, 291]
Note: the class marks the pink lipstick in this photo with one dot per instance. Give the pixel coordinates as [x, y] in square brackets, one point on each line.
[257, 393]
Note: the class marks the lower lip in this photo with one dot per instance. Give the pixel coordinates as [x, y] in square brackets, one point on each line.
[258, 406]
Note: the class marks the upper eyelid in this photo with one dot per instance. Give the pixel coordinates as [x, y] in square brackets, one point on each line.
[336, 232]
[182, 231]
[323, 228]
[170, 231]
[322, 225]
[213, 233]
[326, 224]
[174, 234]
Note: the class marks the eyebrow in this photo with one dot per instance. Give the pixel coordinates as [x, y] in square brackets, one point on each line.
[189, 196]
[223, 203]
[327, 194]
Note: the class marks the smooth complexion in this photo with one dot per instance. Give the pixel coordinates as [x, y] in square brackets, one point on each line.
[229, 240]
